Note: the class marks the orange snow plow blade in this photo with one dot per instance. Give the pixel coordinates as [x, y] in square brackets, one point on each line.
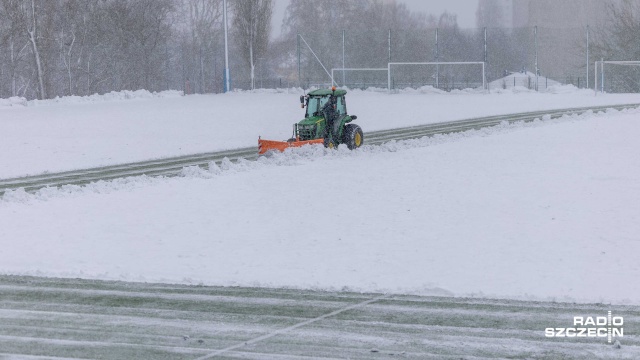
[266, 145]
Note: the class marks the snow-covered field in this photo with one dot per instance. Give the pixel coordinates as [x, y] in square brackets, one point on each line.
[74, 133]
[547, 210]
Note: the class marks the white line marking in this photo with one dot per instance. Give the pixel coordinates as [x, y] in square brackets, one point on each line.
[287, 329]
[36, 357]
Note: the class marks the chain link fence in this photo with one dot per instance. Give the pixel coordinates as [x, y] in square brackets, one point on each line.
[513, 57]
[532, 57]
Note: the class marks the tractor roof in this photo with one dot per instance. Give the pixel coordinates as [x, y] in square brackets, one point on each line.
[325, 92]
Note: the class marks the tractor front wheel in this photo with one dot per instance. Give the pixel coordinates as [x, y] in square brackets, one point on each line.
[353, 136]
[330, 144]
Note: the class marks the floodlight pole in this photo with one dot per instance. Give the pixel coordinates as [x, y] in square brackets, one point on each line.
[437, 60]
[535, 38]
[389, 45]
[343, 77]
[587, 57]
[227, 82]
[485, 58]
[299, 77]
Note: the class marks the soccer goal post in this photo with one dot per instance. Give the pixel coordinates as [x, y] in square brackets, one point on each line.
[343, 70]
[437, 64]
[601, 63]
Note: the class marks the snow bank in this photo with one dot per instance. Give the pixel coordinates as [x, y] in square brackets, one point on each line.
[13, 101]
[111, 96]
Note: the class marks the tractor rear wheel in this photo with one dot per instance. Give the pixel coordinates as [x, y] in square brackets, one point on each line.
[353, 136]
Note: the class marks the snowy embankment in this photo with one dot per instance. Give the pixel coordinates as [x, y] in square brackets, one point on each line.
[80, 132]
[544, 210]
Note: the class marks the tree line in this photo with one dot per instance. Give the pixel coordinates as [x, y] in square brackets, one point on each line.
[52, 48]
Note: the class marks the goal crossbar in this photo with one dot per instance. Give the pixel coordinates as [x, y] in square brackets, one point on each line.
[354, 69]
[612, 62]
[484, 85]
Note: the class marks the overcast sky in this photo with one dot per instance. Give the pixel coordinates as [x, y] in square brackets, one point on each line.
[465, 9]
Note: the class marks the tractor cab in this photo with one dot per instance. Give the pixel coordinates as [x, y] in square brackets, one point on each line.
[315, 101]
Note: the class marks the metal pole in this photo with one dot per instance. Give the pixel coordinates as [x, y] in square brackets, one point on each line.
[389, 77]
[437, 59]
[389, 64]
[484, 77]
[227, 82]
[299, 77]
[343, 80]
[389, 45]
[602, 75]
[595, 78]
[535, 38]
[587, 57]
[485, 57]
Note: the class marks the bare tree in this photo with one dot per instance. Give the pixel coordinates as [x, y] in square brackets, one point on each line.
[31, 27]
[204, 16]
[71, 34]
[23, 17]
[252, 28]
[11, 36]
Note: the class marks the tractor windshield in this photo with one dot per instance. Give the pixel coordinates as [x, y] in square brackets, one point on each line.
[315, 105]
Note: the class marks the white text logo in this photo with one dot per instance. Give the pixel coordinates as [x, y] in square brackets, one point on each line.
[599, 326]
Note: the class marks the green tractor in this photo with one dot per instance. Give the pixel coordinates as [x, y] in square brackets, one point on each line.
[325, 122]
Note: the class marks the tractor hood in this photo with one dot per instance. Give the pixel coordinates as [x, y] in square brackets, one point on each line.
[311, 120]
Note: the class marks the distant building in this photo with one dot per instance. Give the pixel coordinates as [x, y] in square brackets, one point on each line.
[494, 13]
[557, 14]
